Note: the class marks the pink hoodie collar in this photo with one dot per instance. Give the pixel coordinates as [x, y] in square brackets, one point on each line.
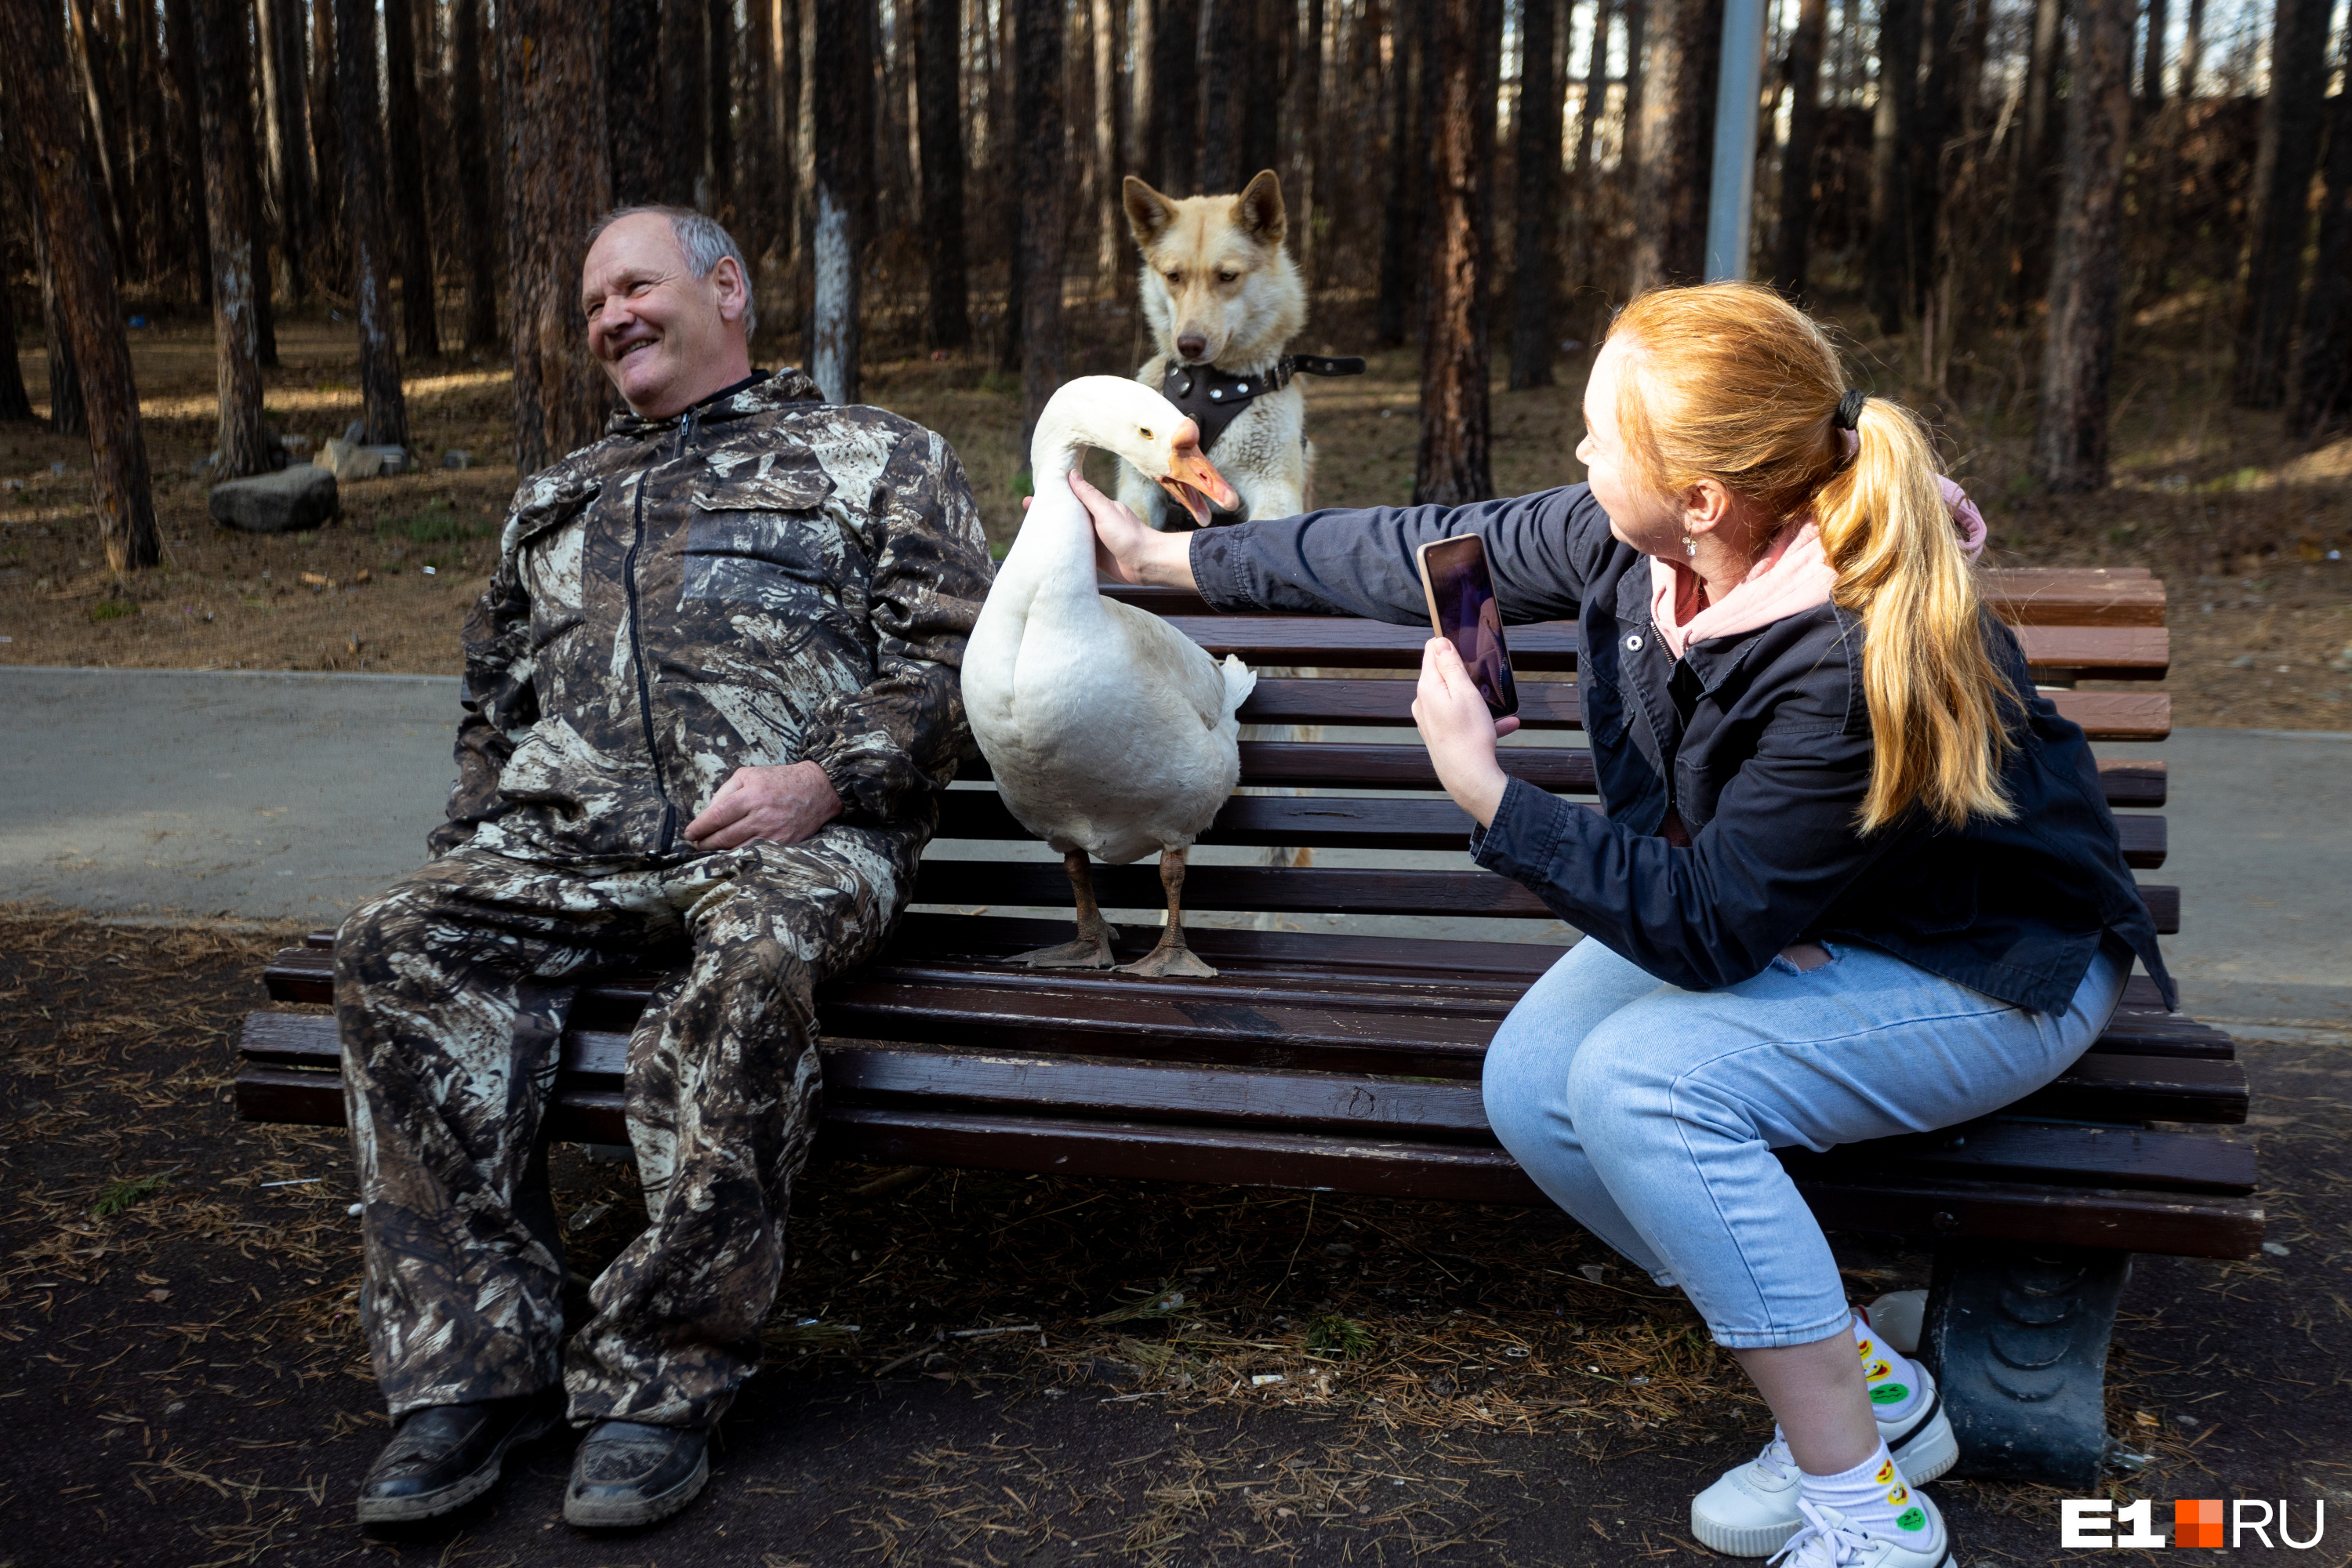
[1792, 576]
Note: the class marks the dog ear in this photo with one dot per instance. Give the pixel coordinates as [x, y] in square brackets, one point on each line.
[1259, 207]
[1149, 213]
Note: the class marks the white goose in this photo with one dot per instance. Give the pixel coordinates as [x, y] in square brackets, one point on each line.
[1110, 732]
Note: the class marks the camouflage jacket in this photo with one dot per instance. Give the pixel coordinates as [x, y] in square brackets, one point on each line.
[763, 579]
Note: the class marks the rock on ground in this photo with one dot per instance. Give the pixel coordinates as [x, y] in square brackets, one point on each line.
[298, 496]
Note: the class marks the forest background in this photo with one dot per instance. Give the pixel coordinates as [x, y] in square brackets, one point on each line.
[2104, 245]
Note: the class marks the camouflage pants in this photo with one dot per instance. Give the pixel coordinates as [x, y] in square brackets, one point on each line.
[451, 992]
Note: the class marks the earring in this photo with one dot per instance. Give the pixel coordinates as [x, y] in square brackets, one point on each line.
[1690, 546]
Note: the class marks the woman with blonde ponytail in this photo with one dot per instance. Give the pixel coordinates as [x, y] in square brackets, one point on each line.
[1854, 878]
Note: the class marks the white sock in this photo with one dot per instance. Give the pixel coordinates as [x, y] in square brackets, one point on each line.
[1874, 1499]
[1889, 1375]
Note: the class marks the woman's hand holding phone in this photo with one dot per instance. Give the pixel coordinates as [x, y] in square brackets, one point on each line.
[1459, 731]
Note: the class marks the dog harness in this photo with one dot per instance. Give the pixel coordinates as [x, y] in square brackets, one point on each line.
[1213, 398]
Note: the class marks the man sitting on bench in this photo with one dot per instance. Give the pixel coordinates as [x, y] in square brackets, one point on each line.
[711, 699]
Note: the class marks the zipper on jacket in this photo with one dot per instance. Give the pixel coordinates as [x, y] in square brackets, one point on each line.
[637, 658]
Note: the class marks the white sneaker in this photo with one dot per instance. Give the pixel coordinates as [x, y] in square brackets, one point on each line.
[1828, 1541]
[1751, 1510]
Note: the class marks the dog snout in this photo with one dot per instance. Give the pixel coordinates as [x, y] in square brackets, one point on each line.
[1192, 345]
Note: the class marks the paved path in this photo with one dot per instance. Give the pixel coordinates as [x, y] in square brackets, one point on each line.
[290, 797]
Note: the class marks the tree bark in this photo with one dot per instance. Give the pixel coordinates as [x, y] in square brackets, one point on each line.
[16, 402]
[633, 81]
[719, 79]
[558, 179]
[1109, 227]
[2087, 272]
[469, 133]
[841, 84]
[1173, 150]
[2293, 116]
[1938, 113]
[1451, 467]
[2151, 81]
[180, 41]
[686, 104]
[68, 415]
[288, 121]
[1535, 222]
[1637, 82]
[105, 128]
[2030, 184]
[326, 138]
[2323, 394]
[1399, 205]
[1677, 135]
[940, 98]
[1894, 148]
[756, 206]
[228, 157]
[1037, 137]
[2192, 50]
[384, 405]
[83, 270]
[413, 233]
[265, 277]
[1792, 246]
[162, 242]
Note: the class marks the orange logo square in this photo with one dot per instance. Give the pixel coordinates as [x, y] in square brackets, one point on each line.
[2197, 1521]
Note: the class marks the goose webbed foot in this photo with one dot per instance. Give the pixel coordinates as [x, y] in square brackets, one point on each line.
[1091, 948]
[1171, 956]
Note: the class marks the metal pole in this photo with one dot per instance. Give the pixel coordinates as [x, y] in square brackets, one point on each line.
[1731, 198]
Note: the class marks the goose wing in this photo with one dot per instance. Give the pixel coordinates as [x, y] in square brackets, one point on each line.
[1157, 651]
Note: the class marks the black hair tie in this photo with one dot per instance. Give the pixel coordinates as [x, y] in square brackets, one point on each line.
[1849, 409]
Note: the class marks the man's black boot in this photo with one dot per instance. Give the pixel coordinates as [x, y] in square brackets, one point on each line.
[445, 1455]
[627, 1473]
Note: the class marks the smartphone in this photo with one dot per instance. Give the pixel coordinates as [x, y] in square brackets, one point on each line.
[1464, 611]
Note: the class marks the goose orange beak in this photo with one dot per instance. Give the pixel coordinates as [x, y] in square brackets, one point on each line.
[1192, 481]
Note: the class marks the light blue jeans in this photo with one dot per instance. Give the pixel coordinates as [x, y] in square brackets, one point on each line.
[1650, 1113]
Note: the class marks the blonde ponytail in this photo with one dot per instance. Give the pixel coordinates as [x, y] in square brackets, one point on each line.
[1731, 382]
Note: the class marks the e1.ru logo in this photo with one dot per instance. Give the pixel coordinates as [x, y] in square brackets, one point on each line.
[2196, 1521]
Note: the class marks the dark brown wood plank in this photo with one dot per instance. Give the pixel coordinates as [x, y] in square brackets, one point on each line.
[2103, 653]
[1309, 891]
[2133, 783]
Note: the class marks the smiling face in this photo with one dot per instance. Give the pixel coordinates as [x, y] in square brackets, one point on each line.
[1651, 521]
[666, 338]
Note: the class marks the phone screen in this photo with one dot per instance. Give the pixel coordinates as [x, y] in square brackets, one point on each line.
[1463, 610]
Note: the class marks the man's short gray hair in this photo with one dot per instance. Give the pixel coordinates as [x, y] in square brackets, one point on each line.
[703, 238]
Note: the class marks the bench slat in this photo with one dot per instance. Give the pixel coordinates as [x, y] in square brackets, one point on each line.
[2108, 653]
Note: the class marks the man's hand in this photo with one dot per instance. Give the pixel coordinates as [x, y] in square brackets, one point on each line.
[1460, 733]
[785, 805]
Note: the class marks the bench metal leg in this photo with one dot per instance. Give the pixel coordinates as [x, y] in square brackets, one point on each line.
[2017, 1337]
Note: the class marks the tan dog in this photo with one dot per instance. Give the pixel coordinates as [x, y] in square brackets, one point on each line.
[1224, 298]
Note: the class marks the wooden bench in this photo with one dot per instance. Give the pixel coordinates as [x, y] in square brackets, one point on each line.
[1350, 1063]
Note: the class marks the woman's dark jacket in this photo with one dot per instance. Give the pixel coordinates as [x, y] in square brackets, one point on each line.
[1760, 744]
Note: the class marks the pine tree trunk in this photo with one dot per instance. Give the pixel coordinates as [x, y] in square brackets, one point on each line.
[2032, 186]
[228, 158]
[718, 77]
[686, 105]
[1534, 263]
[384, 405]
[757, 206]
[2087, 272]
[105, 128]
[1938, 113]
[188, 141]
[420, 336]
[1451, 467]
[469, 133]
[1110, 228]
[1637, 88]
[1792, 246]
[265, 277]
[841, 85]
[1038, 131]
[558, 179]
[42, 112]
[1676, 130]
[2323, 394]
[940, 97]
[1307, 115]
[16, 402]
[68, 415]
[2192, 50]
[288, 134]
[160, 210]
[2292, 118]
[634, 98]
[2151, 82]
[1174, 146]
[1399, 204]
[326, 140]
[1894, 147]
[790, 146]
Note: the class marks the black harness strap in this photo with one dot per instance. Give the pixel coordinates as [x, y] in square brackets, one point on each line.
[1213, 398]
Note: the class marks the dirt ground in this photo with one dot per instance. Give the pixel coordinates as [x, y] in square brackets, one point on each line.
[969, 1369]
[2250, 531]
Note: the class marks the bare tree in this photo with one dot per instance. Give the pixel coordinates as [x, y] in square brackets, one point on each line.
[180, 44]
[228, 156]
[469, 134]
[287, 119]
[2086, 271]
[2192, 50]
[420, 336]
[633, 100]
[718, 77]
[558, 179]
[384, 405]
[756, 214]
[1677, 141]
[2151, 81]
[686, 104]
[940, 97]
[1399, 200]
[1894, 147]
[1172, 148]
[16, 402]
[1037, 128]
[2323, 394]
[2293, 119]
[2031, 167]
[68, 415]
[841, 89]
[1534, 222]
[1792, 245]
[326, 135]
[105, 128]
[1452, 466]
[83, 268]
